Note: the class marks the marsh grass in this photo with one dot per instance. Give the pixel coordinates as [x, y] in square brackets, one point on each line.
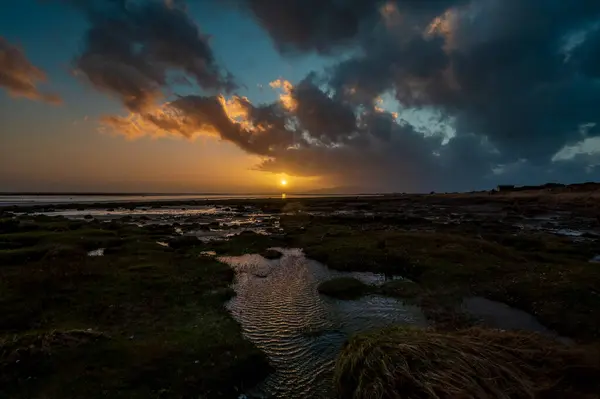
[163, 309]
[545, 275]
[271, 254]
[409, 363]
[247, 242]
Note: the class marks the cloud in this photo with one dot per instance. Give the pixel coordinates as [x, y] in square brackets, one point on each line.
[494, 68]
[256, 129]
[326, 26]
[19, 76]
[506, 77]
[136, 49]
[305, 25]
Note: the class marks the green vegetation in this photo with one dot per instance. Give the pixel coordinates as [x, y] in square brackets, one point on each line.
[475, 363]
[246, 242]
[142, 321]
[546, 275]
[343, 288]
[148, 321]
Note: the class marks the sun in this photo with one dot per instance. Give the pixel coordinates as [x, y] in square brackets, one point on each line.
[283, 182]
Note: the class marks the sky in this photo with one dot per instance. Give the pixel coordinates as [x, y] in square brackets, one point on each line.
[238, 95]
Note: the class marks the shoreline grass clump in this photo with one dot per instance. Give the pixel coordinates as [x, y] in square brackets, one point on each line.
[271, 254]
[343, 288]
[475, 363]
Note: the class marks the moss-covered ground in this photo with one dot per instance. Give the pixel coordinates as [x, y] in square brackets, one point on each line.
[142, 321]
[544, 274]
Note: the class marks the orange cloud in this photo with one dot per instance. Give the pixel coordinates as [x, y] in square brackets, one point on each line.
[19, 77]
[444, 25]
[378, 106]
[238, 111]
[390, 14]
[285, 97]
[162, 121]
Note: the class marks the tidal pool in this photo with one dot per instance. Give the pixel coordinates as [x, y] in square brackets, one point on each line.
[301, 332]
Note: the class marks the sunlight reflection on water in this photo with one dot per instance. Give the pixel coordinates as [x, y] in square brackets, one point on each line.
[301, 332]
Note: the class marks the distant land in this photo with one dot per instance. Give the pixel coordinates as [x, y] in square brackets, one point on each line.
[337, 190]
[323, 191]
[340, 190]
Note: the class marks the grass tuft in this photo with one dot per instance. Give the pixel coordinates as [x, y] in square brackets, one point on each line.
[343, 288]
[475, 363]
[271, 254]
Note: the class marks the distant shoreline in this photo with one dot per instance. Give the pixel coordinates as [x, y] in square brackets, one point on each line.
[36, 201]
[83, 194]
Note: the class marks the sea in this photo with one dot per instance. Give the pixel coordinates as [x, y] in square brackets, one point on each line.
[53, 199]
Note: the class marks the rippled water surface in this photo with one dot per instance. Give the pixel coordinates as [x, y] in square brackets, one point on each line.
[301, 332]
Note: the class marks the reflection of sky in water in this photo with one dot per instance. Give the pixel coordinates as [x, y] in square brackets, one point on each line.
[205, 222]
[301, 332]
[6, 200]
[96, 252]
[145, 211]
[499, 315]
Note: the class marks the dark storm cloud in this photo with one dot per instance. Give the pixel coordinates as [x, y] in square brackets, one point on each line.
[496, 67]
[587, 55]
[132, 46]
[515, 80]
[19, 76]
[326, 25]
[304, 25]
[324, 118]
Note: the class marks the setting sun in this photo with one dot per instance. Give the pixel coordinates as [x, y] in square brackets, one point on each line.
[283, 182]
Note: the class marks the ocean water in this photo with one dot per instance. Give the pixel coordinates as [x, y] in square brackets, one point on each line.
[23, 200]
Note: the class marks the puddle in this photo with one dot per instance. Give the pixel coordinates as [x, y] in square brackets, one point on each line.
[301, 332]
[208, 253]
[501, 316]
[206, 222]
[96, 252]
[368, 278]
[568, 232]
[574, 228]
[162, 243]
[595, 259]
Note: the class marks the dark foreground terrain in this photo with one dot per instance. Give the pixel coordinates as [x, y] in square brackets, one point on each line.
[147, 318]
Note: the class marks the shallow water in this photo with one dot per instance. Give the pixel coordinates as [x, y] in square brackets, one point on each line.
[499, 315]
[31, 199]
[300, 331]
[96, 252]
[205, 222]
